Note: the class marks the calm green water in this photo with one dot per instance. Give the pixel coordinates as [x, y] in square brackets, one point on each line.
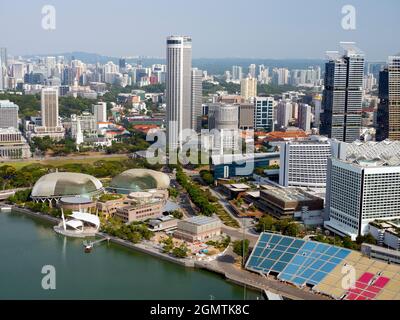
[109, 272]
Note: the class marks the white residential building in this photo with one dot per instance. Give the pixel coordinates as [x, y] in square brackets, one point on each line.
[100, 112]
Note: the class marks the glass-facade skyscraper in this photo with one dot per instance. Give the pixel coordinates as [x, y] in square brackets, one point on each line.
[342, 96]
[388, 117]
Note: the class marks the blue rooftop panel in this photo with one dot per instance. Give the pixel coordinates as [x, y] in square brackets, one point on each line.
[297, 261]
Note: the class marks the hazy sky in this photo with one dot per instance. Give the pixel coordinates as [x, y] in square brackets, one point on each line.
[219, 28]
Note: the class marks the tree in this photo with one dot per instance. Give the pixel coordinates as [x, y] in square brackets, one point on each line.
[366, 239]
[177, 214]
[241, 247]
[292, 230]
[266, 223]
[168, 244]
[181, 251]
[173, 192]
[7, 174]
[207, 177]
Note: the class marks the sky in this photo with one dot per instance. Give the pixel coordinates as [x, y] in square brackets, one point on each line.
[283, 29]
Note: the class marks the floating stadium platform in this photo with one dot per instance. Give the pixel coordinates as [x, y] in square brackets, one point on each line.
[323, 267]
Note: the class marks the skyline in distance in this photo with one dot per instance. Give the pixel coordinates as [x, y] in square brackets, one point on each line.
[224, 29]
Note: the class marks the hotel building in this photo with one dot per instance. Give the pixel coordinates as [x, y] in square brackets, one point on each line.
[360, 191]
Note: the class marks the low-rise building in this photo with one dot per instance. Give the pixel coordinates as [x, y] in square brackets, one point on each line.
[13, 145]
[240, 165]
[200, 228]
[234, 190]
[386, 233]
[284, 203]
[380, 253]
[140, 206]
[162, 223]
[109, 207]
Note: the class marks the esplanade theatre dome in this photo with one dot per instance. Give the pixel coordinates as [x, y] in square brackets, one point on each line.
[60, 184]
[139, 180]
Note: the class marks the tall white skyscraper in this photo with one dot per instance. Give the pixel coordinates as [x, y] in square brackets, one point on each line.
[178, 88]
[197, 97]
[284, 113]
[3, 68]
[51, 125]
[49, 109]
[100, 112]
[252, 70]
[237, 73]
[248, 88]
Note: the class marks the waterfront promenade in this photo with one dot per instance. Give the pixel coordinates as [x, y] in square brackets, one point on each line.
[223, 265]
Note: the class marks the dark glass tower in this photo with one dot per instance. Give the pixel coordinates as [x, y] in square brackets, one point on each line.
[388, 116]
[342, 96]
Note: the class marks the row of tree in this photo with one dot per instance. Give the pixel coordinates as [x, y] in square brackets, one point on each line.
[286, 227]
[199, 197]
[134, 232]
[26, 177]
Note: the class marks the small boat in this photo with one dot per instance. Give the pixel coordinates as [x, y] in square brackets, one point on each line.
[6, 209]
[88, 248]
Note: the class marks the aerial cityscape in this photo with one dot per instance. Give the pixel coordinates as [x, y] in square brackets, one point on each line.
[213, 176]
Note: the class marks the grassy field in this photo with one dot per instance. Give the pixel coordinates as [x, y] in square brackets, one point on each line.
[59, 162]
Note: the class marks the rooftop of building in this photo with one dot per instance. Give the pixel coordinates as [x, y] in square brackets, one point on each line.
[218, 159]
[8, 104]
[285, 135]
[287, 194]
[392, 226]
[9, 130]
[314, 139]
[371, 153]
[202, 220]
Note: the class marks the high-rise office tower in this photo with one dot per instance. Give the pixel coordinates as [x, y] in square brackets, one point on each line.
[3, 68]
[264, 113]
[342, 96]
[4, 57]
[252, 70]
[50, 108]
[248, 88]
[246, 116]
[100, 112]
[388, 117]
[304, 117]
[237, 73]
[197, 97]
[8, 114]
[317, 102]
[122, 63]
[284, 113]
[178, 88]
[280, 76]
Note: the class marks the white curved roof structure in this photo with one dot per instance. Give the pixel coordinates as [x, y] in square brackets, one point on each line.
[74, 224]
[86, 217]
[61, 184]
